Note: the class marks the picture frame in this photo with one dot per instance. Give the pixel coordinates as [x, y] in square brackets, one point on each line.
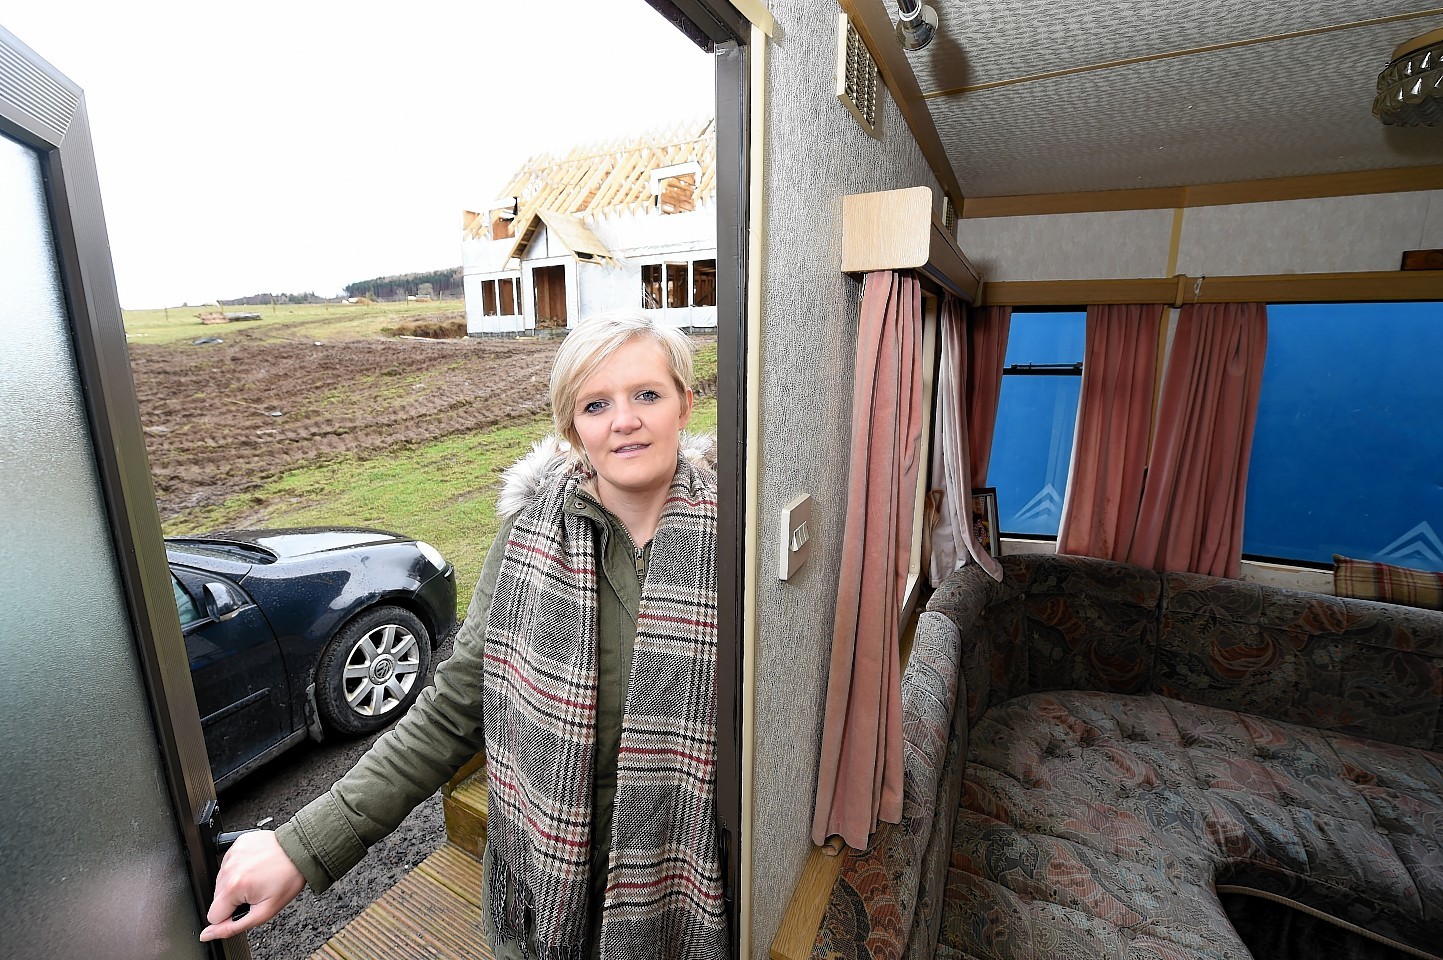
[984, 520]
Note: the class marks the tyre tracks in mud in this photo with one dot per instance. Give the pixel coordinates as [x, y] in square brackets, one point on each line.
[223, 418]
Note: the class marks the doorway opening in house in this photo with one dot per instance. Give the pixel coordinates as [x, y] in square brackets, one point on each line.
[549, 287]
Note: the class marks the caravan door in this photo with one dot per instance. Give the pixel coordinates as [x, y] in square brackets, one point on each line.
[105, 793]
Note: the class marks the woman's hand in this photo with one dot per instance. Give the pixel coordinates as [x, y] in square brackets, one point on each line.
[255, 871]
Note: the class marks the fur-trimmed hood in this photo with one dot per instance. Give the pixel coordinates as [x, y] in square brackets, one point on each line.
[551, 457]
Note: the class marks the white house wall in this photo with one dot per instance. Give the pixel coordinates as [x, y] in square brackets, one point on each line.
[638, 235]
[1325, 235]
[815, 153]
[609, 288]
[484, 256]
[634, 237]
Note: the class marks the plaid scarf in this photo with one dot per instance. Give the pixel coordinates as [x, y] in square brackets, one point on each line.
[664, 882]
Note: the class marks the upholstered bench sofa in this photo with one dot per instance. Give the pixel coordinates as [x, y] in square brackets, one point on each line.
[1103, 761]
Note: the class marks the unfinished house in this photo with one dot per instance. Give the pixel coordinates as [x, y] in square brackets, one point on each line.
[630, 223]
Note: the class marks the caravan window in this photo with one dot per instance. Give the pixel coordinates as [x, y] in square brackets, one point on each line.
[1036, 417]
[1347, 450]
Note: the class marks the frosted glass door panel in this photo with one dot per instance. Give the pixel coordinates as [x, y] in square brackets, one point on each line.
[92, 856]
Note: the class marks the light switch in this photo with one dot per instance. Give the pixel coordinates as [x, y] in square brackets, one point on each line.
[796, 535]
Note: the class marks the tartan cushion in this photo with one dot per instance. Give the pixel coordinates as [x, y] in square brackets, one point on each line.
[1369, 580]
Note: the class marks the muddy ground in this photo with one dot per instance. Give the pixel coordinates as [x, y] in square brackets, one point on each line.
[223, 418]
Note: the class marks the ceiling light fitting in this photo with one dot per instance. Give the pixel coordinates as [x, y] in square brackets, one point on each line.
[1410, 88]
[917, 24]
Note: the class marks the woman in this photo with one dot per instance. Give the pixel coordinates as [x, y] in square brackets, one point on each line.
[601, 836]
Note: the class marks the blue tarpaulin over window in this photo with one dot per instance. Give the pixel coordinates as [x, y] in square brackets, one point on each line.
[1348, 453]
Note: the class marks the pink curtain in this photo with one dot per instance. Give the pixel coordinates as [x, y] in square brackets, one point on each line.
[987, 351]
[1191, 517]
[953, 538]
[1114, 423]
[859, 780]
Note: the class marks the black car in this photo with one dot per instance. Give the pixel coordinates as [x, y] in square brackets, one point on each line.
[293, 632]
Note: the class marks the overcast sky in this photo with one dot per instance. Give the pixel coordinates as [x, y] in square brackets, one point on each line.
[294, 146]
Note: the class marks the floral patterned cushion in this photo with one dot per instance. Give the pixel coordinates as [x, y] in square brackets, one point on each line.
[1372, 670]
[1096, 825]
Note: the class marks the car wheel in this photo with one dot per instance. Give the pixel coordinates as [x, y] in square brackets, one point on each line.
[372, 670]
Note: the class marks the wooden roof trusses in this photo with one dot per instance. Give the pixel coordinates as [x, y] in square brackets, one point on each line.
[603, 179]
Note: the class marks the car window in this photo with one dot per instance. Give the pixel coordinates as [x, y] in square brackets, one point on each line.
[184, 605]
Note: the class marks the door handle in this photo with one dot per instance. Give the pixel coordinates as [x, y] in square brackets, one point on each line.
[219, 842]
[223, 841]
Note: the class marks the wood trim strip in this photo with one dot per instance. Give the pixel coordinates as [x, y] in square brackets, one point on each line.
[804, 914]
[1174, 244]
[1353, 183]
[1273, 288]
[874, 24]
[1044, 293]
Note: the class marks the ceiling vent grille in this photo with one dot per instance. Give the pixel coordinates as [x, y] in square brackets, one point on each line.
[949, 215]
[856, 76]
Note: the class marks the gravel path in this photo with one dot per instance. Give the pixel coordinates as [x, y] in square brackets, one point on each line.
[289, 783]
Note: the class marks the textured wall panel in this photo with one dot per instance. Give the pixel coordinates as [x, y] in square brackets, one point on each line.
[1328, 235]
[1331, 235]
[815, 154]
[1082, 246]
[1207, 118]
[983, 41]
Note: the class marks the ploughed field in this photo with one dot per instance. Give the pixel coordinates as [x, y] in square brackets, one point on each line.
[222, 418]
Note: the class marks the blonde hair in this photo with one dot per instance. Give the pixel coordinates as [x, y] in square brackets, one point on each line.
[591, 343]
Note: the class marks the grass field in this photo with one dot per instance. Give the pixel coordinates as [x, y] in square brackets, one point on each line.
[317, 321]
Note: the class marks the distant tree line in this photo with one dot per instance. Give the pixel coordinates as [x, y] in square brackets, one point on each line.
[257, 299]
[445, 284]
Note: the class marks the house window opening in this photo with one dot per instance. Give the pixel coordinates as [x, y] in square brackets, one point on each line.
[506, 289]
[651, 285]
[703, 283]
[676, 285]
[678, 194]
[488, 298]
[1036, 419]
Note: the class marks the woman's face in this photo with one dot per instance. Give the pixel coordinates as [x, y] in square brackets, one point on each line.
[629, 414]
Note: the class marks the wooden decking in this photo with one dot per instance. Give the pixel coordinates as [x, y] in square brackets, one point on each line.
[435, 912]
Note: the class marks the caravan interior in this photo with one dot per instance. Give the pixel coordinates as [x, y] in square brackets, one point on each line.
[1141, 761]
